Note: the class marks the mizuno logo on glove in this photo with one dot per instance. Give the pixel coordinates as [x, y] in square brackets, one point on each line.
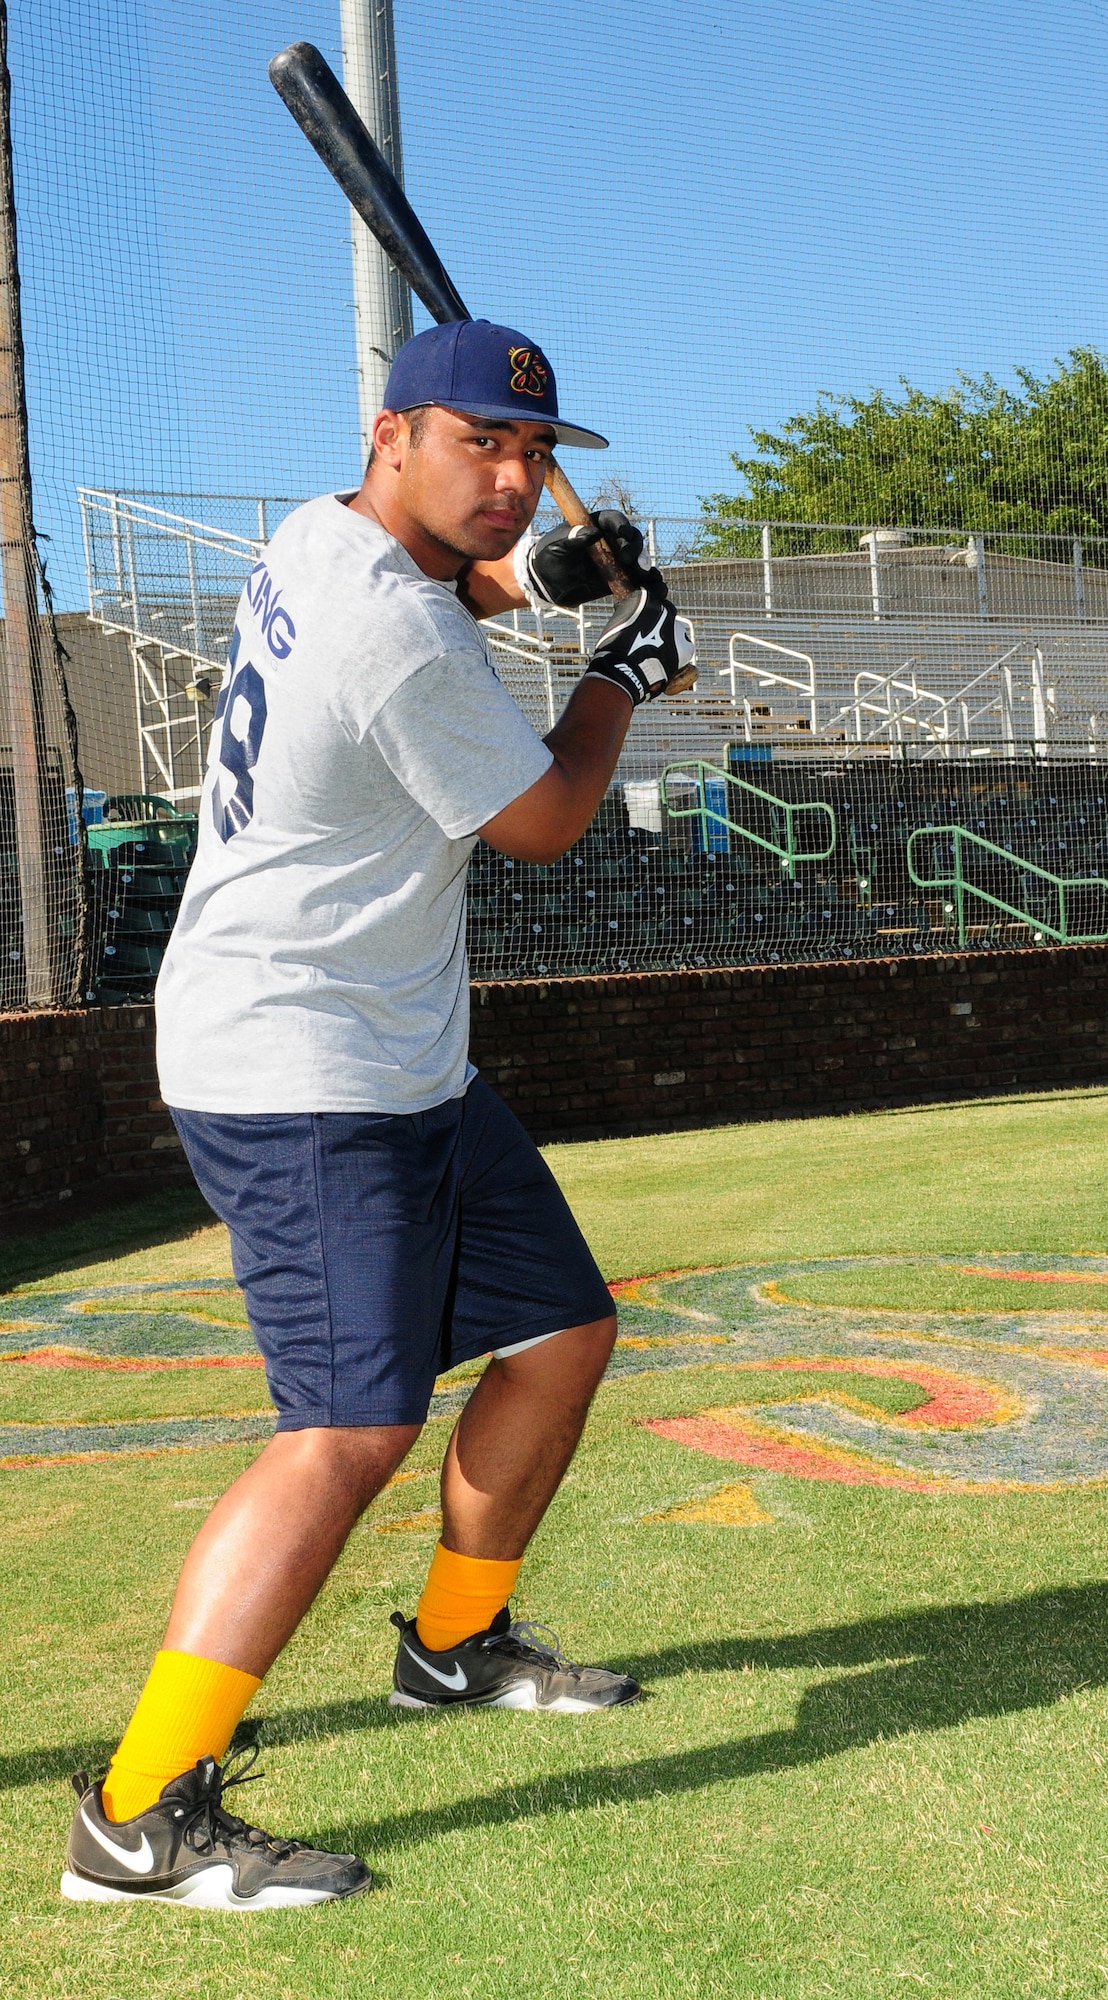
[657, 635]
[644, 647]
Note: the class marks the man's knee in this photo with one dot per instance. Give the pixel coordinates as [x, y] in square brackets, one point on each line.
[600, 1338]
[573, 1360]
[587, 1346]
[360, 1457]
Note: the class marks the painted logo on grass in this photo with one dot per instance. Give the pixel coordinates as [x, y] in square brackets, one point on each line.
[155, 1330]
[947, 1402]
[928, 1374]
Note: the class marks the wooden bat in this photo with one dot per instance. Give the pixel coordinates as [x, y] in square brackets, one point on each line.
[309, 87]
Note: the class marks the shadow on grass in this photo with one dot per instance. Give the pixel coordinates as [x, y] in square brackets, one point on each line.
[928, 1670]
[163, 1217]
[291, 1725]
[40, 1767]
[331, 1718]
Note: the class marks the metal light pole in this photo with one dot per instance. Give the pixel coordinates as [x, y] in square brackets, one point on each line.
[382, 301]
[23, 637]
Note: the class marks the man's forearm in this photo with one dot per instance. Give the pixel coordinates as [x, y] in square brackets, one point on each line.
[587, 739]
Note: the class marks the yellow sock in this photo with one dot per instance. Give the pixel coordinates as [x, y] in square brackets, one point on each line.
[187, 1710]
[461, 1596]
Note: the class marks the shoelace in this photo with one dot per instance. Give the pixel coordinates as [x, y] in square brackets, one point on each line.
[210, 1822]
[529, 1638]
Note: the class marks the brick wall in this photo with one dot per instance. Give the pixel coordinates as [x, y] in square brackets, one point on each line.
[647, 1052]
[80, 1108]
[580, 1058]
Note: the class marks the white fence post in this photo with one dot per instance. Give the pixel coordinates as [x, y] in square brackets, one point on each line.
[767, 570]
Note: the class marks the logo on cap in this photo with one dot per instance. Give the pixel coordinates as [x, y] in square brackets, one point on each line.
[529, 371]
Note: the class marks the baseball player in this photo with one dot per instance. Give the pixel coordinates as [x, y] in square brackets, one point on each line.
[388, 1215]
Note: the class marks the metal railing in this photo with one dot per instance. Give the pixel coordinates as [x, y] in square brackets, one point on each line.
[779, 567]
[768, 677]
[929, 677]
[163, 576]
[977, 573]
[534, 657]
[785, 812]
[1014, 700]
[905, 712]
[956, 880]
[169, 584]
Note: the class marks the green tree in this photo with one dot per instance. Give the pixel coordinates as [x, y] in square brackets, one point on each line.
[976, 457]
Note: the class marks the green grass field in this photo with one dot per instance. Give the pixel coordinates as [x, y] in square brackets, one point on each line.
[874, 1755]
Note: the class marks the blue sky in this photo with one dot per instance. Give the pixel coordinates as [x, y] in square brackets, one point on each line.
[707, 212]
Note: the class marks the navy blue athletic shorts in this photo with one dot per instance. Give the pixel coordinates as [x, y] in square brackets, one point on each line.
[376, 1251]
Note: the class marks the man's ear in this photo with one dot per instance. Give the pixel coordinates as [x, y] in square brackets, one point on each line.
[388, 436]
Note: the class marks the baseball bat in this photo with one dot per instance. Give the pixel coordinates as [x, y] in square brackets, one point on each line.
[305, 82]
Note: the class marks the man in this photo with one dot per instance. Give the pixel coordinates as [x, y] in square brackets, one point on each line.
[388, 1216]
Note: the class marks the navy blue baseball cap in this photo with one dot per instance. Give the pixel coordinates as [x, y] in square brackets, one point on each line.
[485, 371]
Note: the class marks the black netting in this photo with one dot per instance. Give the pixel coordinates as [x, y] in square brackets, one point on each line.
[830, 282]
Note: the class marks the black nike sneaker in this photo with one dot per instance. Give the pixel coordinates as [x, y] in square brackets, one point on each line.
[187, 1849]
[509, 1666]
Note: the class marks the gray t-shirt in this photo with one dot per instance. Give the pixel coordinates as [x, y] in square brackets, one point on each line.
[361, 738]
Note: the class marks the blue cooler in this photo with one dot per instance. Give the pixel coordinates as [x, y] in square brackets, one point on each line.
[718, 838]
[92, 809]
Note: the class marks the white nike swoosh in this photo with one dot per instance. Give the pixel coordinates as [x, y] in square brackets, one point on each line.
[140, 1859]
[455, 1680]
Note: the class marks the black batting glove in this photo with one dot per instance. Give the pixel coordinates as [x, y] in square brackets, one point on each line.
[643, 647]
[558, 570]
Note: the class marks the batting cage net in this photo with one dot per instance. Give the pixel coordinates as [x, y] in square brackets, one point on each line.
[830, 283]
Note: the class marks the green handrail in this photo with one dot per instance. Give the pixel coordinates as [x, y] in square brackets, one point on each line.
[789, 854]
[133, 806]
[956, 881]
